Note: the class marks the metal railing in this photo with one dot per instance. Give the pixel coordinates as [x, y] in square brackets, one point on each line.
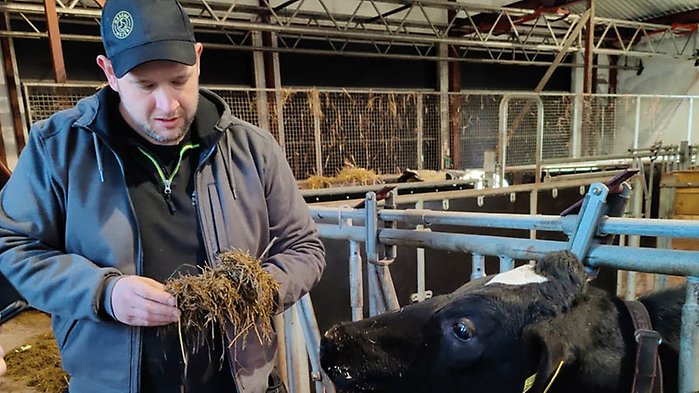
[341, 223]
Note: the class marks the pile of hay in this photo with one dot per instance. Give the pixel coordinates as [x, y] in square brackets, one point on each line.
[349, 175]
[38, 365]
[237, 290]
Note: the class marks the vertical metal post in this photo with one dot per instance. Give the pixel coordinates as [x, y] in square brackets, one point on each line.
[371, 223]
[390, 252]
[506, 263]
[690, 120]
[576, 145]
[419, 205]
[355, 278]
[420, 127]
[279, 105]
[637, 129]
[589, 48]
[312, 335]
[278, 322]
[317, 139]
[665, 208]
[443, 80]
[477, 266]
[260, 83]
[634, 240]
[689, 340]
[296, 355]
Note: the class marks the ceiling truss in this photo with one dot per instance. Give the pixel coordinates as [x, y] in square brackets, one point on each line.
[393, 29]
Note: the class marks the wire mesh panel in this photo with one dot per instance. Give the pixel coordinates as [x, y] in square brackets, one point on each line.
[479, 127]
[662, 120]
[243, 103]
[388, 131]
[608, 125]
[44, 100]
[558, 126]
[369, 130]
[300, 133]
[521, 132]
[431, 140]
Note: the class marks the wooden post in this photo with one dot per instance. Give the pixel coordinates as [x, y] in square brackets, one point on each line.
[59, 68]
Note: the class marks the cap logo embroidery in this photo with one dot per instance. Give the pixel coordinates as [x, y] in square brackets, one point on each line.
[122, 25]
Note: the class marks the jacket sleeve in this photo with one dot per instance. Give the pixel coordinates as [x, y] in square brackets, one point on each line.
[297, 257]
[32, 229]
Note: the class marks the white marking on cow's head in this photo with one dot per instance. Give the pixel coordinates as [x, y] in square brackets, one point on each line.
[522, 275]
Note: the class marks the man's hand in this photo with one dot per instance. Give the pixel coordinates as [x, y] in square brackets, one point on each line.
[141, 301]
[3, 366]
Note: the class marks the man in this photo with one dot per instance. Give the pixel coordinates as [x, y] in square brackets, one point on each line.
[134, 184]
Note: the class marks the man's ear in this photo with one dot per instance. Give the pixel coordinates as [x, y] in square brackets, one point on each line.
[106, 66]
[198, 48]
[548, 348]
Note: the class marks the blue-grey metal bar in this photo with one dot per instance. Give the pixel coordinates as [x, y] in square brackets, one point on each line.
[608, 225]
[477, 266]
[329, 231]
[391, 252]
[356, 280]
[312, 335]
[675, 262]
[592, 210]
[689, 340]
[371, 223]
[506, 263]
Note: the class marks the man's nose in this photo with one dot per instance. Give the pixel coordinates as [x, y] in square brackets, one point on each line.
[166, 100]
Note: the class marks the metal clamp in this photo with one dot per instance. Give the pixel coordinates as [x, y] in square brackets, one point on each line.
[592, 210]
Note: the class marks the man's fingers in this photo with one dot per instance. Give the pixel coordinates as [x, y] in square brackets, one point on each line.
[141, 301]
[155, 291]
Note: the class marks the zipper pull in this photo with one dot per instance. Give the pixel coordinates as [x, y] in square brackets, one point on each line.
[167, 189]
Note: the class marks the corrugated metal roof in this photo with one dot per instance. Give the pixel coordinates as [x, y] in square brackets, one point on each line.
[636, 10]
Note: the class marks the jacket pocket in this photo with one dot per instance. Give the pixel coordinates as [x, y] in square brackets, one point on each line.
[218, 224]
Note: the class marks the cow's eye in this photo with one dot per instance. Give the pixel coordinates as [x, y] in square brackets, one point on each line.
[464, 330]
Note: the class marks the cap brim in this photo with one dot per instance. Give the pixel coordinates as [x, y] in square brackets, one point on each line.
[177, 51]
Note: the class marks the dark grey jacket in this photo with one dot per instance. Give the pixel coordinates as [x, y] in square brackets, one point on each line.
[68, 229]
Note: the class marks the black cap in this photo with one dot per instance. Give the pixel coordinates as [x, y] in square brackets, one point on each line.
[138, 31]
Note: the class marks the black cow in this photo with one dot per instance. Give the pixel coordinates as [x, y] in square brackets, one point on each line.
[493, 334]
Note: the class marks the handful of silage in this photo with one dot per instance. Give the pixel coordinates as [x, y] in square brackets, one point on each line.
[237, 290]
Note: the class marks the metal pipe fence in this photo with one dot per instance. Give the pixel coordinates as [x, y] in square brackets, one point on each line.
[322, 130]
[332, 224]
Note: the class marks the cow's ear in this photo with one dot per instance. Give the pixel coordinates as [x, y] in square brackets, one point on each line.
[548, 350]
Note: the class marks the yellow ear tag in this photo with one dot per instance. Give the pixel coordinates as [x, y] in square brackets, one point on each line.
[528, 383]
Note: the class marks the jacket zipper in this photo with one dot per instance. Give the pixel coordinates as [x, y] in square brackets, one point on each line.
[163, 175]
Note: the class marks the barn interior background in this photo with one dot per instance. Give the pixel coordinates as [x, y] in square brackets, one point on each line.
[549, 95]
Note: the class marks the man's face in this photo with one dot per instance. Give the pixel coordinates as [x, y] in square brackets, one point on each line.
[158, 98]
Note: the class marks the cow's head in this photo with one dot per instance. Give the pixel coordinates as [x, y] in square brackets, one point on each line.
[484, 337]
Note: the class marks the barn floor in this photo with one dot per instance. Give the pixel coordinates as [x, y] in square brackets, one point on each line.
[16, 333]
